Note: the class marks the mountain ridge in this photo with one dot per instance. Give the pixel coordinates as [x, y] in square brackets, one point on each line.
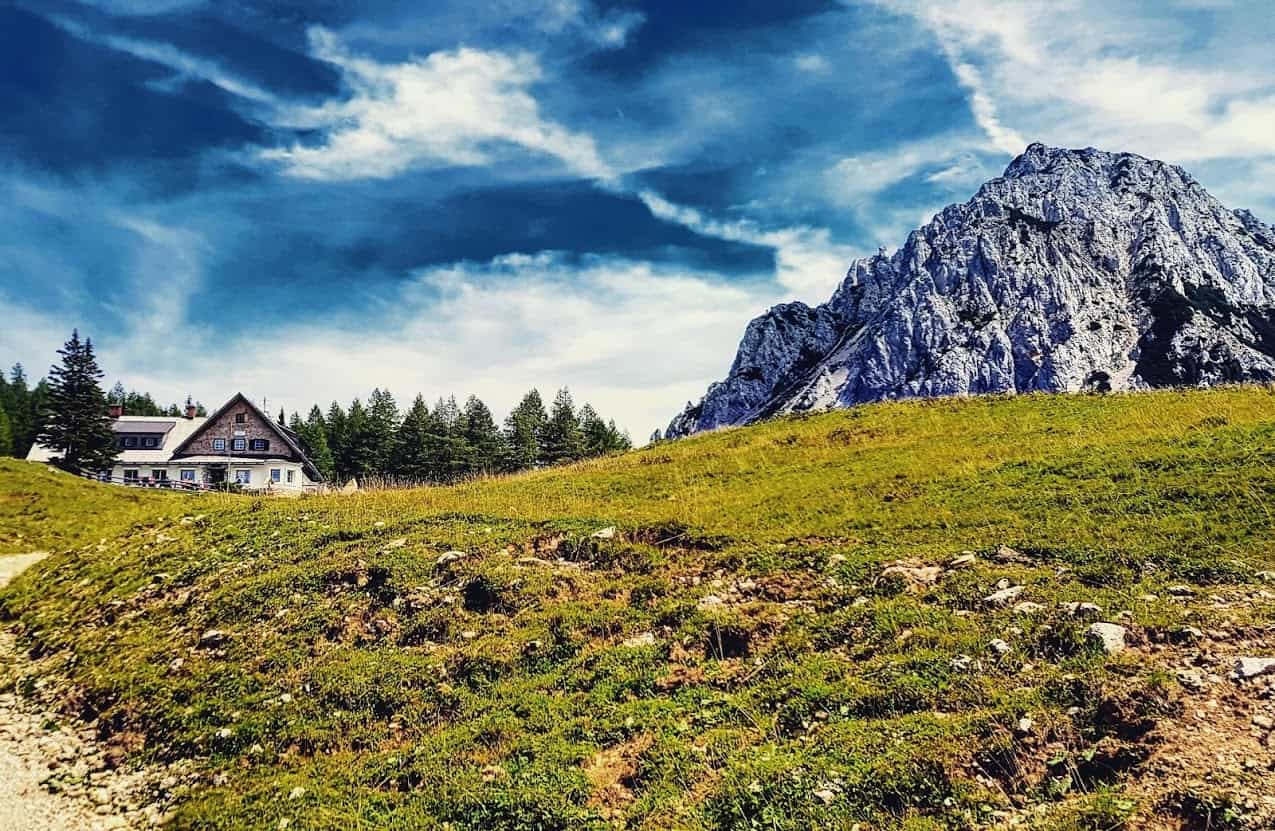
[1074, 270]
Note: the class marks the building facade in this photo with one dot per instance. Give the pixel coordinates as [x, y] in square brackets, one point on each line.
[238, 444]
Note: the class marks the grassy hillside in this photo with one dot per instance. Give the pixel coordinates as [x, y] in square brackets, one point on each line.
[775, 636]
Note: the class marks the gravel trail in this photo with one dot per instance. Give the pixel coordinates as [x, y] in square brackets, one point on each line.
[26, 748]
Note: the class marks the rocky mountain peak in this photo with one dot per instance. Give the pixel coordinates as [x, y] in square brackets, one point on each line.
[1075, 270]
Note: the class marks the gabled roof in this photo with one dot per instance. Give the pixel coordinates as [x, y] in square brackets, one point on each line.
[175, 430]
[289, 438]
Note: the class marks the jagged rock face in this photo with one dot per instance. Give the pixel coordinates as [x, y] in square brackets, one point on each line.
[1075, 270]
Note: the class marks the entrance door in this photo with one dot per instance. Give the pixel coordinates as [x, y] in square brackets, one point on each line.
[216, 474]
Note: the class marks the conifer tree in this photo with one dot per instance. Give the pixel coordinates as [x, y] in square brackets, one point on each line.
[414, 444]
[383, 421]
[6, 434]
[523, 429]
[482, 439]
[562, 441]
[77, 424]
[314, 438]
[335, 426]
[25, 411]
[358, 452]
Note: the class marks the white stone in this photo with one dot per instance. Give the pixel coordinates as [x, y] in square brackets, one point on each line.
[1111, 636]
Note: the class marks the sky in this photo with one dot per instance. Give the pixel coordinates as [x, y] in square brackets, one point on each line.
[304, 199]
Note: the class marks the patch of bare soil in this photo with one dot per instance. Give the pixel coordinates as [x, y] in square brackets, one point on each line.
[611, 773]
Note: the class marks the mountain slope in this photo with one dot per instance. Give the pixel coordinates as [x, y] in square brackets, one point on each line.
[783, 631]
[1077, 269]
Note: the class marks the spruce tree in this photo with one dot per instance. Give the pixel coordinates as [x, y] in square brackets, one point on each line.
[523, 428]
[335, 425]
[482, 439]
[77, 423]
[415, 443]
[383, 421]
[358, 455]
[562, 441]
[314, 440]
[6, 434]
[23, 412]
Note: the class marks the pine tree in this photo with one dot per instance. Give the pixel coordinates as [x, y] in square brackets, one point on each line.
[117, 396]
[358, 455]
[314, 440]
[383, 421]
[335, 425]
[562, 441]
[6, 434]
[415, 443]
[482, 439]
[448, 448]
[24, 415]
[283, 422]
[523, 428]
[77, 426]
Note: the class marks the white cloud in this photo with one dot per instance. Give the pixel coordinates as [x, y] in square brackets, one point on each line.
[808, 264]
[1122, 76]
[458, 107]
[634, 339]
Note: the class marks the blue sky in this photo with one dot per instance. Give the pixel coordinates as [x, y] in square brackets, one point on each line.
[304, 199]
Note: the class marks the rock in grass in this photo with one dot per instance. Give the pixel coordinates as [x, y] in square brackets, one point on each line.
[212, 639]
[449, 557]
[1027, 607]
[296, 793]
[1076, 609]
[644, 639]
[1004, 596]
[1110, 636]
[604, 533]
[913, 572]
[1246, 668]
[963, 561]
[1000, 647]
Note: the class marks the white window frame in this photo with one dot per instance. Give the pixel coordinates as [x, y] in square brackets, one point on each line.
[291, 476]
[239, 445]
[132, 474]
[276, 474]
[193, 477]
[159, 475]
[265, 445]
[219, 444]
[243, 476]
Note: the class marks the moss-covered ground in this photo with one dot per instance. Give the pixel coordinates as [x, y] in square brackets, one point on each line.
[738, 654]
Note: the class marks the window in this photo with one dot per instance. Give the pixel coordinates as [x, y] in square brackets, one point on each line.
[188, 475]
[243, 477]
[260, 444]
[239, 444]
[290, 475]
[159, 475]
[131, 475]
[149, 441]
[276, 475]
[219, 444]
[241, 418]
[130, 441]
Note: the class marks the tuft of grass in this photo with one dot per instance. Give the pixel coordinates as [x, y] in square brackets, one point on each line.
[733, 658]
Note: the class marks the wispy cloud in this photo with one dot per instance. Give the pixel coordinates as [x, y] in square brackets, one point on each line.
[461, 107]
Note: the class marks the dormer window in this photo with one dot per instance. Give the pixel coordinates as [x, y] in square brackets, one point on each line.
[149, 442]
[260, 444]
[130, 441]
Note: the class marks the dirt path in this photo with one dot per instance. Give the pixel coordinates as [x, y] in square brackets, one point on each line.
[29, 751]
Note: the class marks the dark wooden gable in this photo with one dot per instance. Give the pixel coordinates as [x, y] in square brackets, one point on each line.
[239, 418]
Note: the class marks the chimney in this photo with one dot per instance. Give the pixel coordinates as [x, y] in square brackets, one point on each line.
[190, 411]
[117, 410]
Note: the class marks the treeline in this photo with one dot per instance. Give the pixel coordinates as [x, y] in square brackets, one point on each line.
[449, 442]
[21, 411]
[141, 404]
